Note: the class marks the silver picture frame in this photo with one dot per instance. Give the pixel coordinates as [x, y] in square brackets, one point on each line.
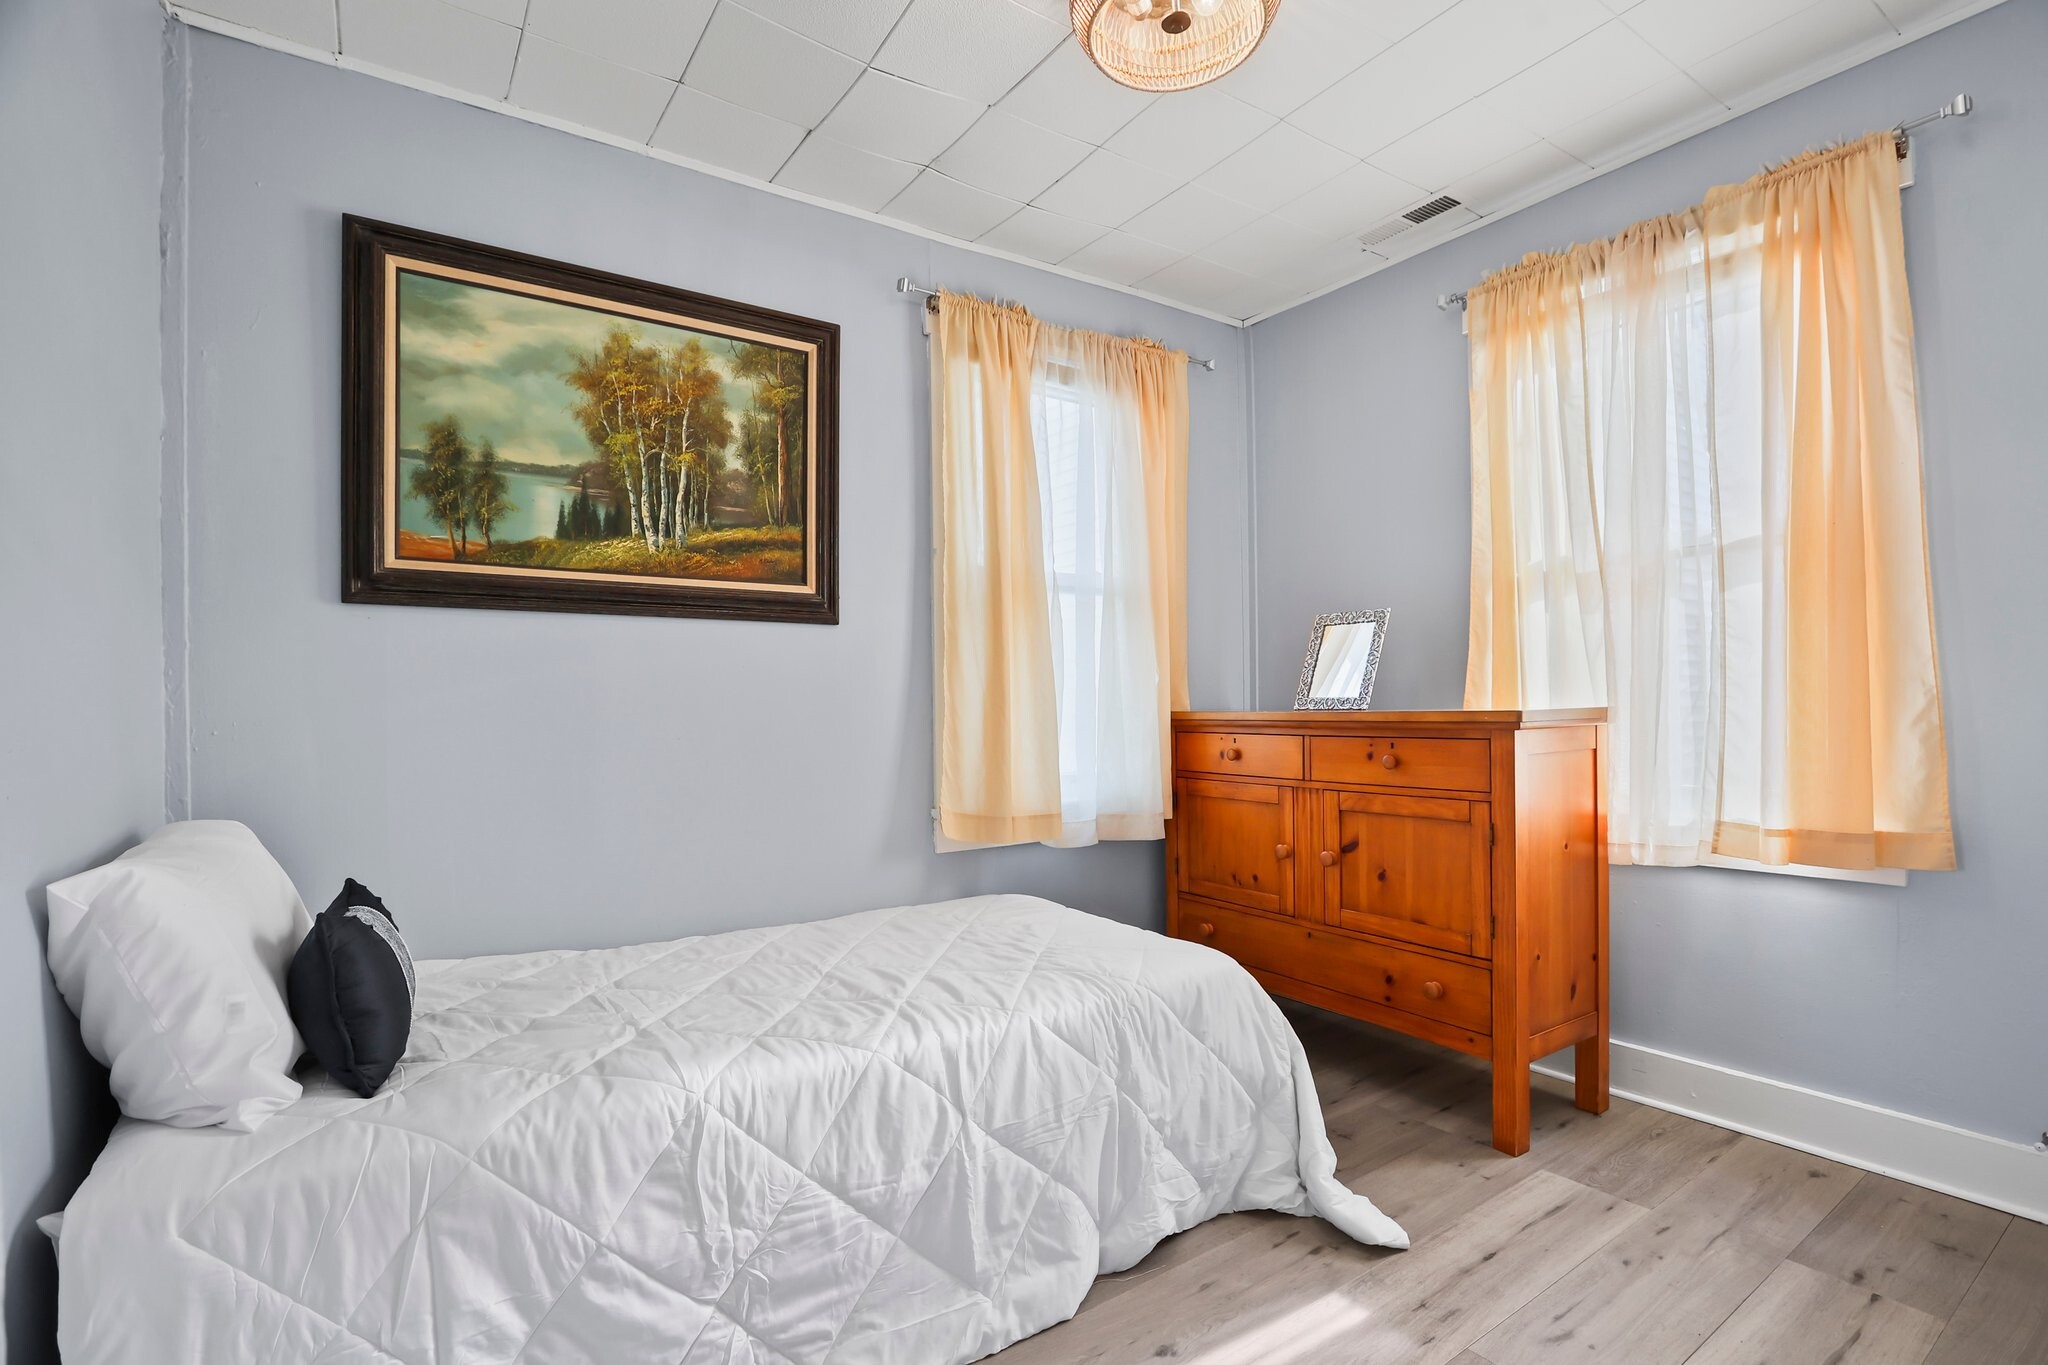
[1341, 679]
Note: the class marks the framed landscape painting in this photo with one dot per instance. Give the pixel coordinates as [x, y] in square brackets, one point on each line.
[527, 434]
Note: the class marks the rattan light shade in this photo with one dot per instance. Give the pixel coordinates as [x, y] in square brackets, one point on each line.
[1135, 45]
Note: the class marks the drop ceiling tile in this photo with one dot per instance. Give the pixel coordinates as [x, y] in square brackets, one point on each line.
[1356, 200]
[1067, 94]
[1470, 48]
[1394, 20]
[1321, 267]
[855, 27]
[1309, 48]
[1687, 31]
[307, 22]
[1190, 218]
[1040, 235]
[760, 65]
[1107, 189]
[976, 49]
[511, 12]
[1498, 38]
[433, 41]
[845, 175]
[1202, 283]
[1281, 164]
[1190, 131]
[897, 118]
[1675, 104]
[1266, 247]
[1597, 72]
[706, 128]
[1120, 257]
[581, 89]
[1452, 147]
[1492, 188]
[1059, 11]
[1911, 14]
[647, 35]
[1762, 63]
[1385, 99]
[944, 204]
[1005, 155]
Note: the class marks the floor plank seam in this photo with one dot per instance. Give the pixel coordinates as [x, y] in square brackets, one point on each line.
[1949, 1321]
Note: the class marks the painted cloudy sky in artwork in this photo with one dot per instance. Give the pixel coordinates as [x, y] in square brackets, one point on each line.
[495, 362]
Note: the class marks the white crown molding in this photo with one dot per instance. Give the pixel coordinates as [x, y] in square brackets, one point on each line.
[1788, 84]
[1982, 1169]
[256, 37]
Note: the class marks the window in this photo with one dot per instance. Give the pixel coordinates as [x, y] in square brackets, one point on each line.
[1071, 494]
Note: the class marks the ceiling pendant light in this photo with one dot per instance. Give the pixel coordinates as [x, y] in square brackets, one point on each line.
[1160, 45]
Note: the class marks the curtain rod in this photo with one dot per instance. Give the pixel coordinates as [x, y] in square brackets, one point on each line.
[1959, 107]
[904, 286]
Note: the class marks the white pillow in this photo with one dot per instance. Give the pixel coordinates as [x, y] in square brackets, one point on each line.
[173, 957]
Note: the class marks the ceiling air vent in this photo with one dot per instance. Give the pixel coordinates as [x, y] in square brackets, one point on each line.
[1422, 213]
[1394, 227]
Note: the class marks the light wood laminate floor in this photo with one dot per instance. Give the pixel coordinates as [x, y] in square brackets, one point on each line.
[1635, 1237]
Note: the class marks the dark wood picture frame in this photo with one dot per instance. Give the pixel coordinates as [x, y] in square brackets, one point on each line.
[368, 431]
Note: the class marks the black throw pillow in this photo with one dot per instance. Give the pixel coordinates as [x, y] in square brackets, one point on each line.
[350, 990]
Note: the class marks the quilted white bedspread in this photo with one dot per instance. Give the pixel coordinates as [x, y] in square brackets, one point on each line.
[906, 1136]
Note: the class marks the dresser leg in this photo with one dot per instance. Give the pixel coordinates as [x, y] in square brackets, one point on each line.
[1589, 1072]
[1511, 1099]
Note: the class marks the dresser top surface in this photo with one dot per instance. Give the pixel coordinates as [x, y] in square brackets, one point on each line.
[1369, 720]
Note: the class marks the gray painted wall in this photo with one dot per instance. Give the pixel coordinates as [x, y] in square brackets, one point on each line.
[511, 780]
[81, 772]
[1926, 999]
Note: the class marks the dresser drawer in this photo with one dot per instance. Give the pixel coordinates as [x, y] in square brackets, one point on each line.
[1453, 993]
[1228, 755]
[1438, 764]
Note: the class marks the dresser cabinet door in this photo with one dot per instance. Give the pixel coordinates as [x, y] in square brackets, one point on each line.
[1236, 843]
[1407, 867]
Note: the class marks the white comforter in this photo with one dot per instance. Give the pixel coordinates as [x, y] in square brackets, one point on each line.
[906, 1136]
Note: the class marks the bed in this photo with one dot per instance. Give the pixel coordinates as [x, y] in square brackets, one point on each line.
[909, 1135]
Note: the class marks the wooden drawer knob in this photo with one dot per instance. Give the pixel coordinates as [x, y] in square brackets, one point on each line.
[1329, 858]
[1283, 851]
[1390, 761]
[1232, 755]
[1433, 989]
[1207, 930]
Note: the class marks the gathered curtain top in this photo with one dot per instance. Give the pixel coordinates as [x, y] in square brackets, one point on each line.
[1529, 279]
[1016, 314]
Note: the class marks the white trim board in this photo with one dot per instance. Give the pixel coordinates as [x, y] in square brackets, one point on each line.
[1984, 1170]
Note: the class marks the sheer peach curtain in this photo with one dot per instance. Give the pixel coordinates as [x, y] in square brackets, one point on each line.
[1697, 500]
[1838, 686]
[1059, 462]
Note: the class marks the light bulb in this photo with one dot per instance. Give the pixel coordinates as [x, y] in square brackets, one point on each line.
[1139, 9]
[1205, 8]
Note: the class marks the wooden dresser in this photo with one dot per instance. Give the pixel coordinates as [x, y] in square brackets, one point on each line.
[1440, 873]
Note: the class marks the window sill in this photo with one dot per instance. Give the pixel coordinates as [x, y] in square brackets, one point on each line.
[1874, 876]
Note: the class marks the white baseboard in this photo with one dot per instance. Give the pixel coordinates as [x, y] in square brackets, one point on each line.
[1985, 1170]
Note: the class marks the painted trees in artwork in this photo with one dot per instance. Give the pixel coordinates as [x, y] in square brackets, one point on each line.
[442, 481]
[658, 418]
[488, 499]
[777, 376]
